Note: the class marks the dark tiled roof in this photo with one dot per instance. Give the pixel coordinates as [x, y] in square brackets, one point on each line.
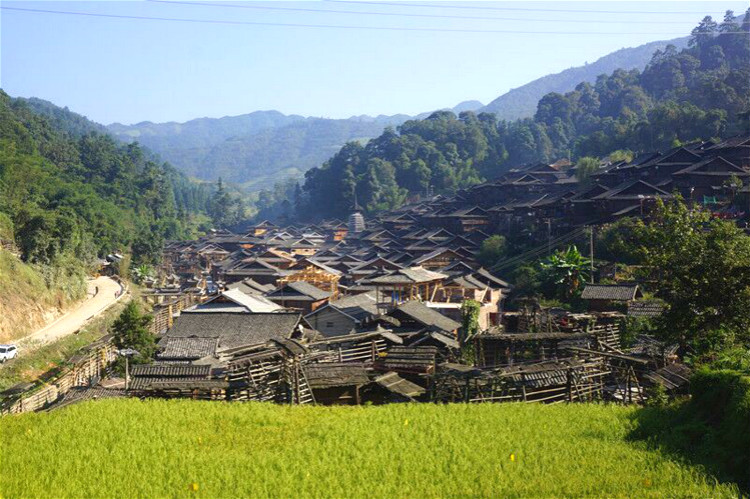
[392, 382]
[169, 370]
[427, 316]
[645, 308]
[671, 377]
[183, 384]
[333, 374]
[616, 292]
[299, 290]
[81, 394]
[358, 306]
[186, 348]
[235, 329]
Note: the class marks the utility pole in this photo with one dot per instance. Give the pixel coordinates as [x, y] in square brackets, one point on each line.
[549, 236]
[591, 251]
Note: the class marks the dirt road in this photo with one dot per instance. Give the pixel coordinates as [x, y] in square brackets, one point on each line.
[107, 290]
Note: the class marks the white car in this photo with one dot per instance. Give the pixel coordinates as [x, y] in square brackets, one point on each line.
[8, 352]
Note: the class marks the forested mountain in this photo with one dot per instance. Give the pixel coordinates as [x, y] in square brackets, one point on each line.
[255, 149]
[521, 102]
[702, 91]
[258, 149]
[69, 194]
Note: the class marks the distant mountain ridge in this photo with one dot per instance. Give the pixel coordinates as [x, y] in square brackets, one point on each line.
[256, 149]
[521, 102]
[261, 148]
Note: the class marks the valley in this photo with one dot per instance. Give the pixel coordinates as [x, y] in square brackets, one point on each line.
[544, 296]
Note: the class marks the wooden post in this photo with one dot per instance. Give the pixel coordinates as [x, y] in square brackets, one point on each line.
[296, 382]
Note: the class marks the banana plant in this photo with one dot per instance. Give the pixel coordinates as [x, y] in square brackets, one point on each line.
[567, 269]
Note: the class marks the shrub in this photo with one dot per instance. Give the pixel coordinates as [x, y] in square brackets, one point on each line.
[713, 428]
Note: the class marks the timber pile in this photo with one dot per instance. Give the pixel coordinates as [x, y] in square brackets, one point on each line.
[495, 348]
[362, 347]
[270, 373]
[565, 380]
[409, 360]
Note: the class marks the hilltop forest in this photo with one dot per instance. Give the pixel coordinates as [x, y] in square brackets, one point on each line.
[70, 194]
[699, 92]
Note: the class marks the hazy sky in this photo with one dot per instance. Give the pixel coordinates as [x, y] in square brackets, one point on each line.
[130, 70]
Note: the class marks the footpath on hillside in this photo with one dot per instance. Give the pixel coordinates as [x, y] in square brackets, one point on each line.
[105, 292]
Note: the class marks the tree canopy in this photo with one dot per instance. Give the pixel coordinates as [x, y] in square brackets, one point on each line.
[701, 92]
[72, 191]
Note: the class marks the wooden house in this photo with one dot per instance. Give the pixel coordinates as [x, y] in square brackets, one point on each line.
[416, 315]
[438, 258]
[237, 329]
[610, 297]
[414, 283]
[336, 383]
[316, 273]
[257, 269]
[299, 295]
[345, 315]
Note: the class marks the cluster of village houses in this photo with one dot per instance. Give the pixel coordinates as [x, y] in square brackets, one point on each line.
[358, 310]
[348, 312]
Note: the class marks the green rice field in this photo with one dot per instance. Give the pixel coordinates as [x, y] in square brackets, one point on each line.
[183, 449]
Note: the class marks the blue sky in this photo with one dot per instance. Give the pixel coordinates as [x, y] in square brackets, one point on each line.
[131, 70]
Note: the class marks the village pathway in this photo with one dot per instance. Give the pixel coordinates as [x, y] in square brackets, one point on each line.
[103, 293]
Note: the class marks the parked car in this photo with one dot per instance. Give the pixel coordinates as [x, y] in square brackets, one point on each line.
[8, 352]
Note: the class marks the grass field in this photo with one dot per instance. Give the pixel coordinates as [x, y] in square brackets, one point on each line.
[165, 449]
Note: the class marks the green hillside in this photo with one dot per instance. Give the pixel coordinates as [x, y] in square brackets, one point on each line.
[69, 193]
[701, 92]
[30, 296]
[131, 448]
[521, 102]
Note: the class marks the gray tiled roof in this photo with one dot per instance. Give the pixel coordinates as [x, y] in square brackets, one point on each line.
[392, 382]
[299, 290]
[169, 370]
[186, 348]
[358, 306]
[615, 292]
[645, 308]
[427, 316]
[332, 374]
[235, 329]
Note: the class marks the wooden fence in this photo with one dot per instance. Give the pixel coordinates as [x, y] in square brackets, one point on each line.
[164, 313]
[84, 369]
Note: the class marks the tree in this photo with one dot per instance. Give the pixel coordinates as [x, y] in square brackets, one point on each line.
[130, 330]
[492, 249]
[623, 241]
[470, 319]
[704, 277]
[585, 167]
[703, 33]
[221, 205]
[567, 270]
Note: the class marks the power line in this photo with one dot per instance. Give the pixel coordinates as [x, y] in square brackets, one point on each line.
[523, 9]
[340, 26]
[401, 14]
